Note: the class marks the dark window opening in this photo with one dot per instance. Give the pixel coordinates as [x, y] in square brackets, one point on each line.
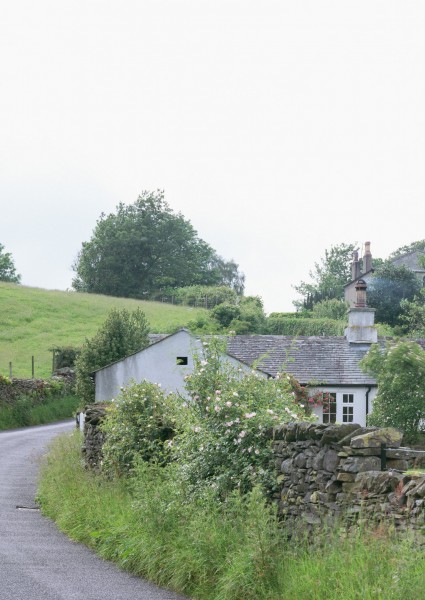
[182, 360]
[347, 414]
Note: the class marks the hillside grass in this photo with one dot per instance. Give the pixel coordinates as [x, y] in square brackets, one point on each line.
[33, 320]
[213, 551]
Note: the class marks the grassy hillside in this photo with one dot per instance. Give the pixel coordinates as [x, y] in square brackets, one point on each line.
[32, 320]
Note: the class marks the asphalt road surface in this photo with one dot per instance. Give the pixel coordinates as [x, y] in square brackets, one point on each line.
[37, 562]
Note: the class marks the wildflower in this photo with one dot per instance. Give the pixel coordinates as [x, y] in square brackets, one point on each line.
[270, 411]
[228, 403]
[204, 362]
[218, 392]
[250, 415]
[235, 394]
[257, 451]
[242, 434]
[217, 408]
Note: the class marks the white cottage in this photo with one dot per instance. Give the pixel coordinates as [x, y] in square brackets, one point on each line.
[323, 363]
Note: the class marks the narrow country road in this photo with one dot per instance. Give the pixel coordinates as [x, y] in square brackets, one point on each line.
[37, 562]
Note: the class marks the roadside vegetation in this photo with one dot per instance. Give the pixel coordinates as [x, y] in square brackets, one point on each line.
[209, 550]
[43, 402]
[183, 499]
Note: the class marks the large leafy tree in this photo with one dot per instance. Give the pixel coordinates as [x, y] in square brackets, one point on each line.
[145, 247]
[328, 277]
[7, 267]
[389, 286]
[400, 374]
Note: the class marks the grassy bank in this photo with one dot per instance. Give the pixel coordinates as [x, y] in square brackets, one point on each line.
[23, 414]
[32, 320]
[214, 552]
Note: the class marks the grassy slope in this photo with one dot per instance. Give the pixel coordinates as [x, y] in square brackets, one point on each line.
[32, 320]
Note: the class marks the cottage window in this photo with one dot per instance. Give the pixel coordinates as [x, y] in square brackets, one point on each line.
[329, 412]
[182, 360]
[347, 408]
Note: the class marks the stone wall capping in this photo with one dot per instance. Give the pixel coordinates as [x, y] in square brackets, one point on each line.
[390, 436]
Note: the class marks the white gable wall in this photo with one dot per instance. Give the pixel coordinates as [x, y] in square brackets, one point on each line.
[157, 363]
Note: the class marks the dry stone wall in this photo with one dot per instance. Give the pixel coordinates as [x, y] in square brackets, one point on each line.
[93, 437]
[330, 471]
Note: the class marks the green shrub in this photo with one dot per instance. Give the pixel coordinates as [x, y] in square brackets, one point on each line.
[331, 309]
[64, 356]
[225, 313]
[137, 425]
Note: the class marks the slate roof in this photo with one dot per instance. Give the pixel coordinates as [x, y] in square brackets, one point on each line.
[329, 360]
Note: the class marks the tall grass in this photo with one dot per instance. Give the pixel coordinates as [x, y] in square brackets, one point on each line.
[212, 551]
[32, 320]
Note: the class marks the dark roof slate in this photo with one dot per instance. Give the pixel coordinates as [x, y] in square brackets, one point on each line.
[317, 360]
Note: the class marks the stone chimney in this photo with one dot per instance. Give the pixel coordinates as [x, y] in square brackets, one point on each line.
[355, 266]
[367, 258]
[361, 328]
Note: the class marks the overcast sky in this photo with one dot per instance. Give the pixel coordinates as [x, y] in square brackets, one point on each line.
[277, 128]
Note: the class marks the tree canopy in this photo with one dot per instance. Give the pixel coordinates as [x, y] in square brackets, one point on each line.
[7, 267]
[145, 247]
[388, 287]
[328, 277]
[412, 247]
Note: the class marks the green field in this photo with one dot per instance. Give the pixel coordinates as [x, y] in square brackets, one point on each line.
[32, 320]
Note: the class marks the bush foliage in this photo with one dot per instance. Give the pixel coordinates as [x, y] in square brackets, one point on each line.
[400, 374]
[137, 425]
